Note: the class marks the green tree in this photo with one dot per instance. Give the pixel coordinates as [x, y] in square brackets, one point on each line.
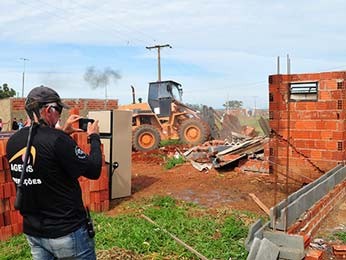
[6, 92]
[233, 104]
[197, 107]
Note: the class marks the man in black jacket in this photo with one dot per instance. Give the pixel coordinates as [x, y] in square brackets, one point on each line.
[54, 217]
[15, 125]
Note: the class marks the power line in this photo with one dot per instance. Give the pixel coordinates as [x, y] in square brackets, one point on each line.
[131, 31]
[121, 24]
[62, 13]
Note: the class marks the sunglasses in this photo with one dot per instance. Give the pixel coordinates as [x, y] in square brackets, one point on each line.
[57, 108]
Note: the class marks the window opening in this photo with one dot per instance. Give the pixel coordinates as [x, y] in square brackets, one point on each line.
[339, 104]
[271, 97]
[339, 146]
[303, 91]
[271, 115]
[340, 84]
[271, 151]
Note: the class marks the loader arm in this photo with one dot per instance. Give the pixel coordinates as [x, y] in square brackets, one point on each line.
[186, 108]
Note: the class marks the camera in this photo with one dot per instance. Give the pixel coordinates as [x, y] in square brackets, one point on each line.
[83, 123]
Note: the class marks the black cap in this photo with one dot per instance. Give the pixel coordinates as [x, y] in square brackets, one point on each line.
[44, 95]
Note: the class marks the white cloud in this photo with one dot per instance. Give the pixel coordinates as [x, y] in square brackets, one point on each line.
[217, 45]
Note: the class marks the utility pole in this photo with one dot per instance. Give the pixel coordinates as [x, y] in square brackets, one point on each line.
[24, 60]
[255, 108]
[158, 47]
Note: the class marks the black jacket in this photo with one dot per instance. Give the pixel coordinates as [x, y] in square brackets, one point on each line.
[52, 197]
[15, 125]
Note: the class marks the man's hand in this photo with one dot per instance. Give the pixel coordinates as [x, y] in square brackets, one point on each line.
[93, 128]
[68, 126]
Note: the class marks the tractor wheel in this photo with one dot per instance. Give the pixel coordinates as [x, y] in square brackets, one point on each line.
[193, 131]
[145, 138]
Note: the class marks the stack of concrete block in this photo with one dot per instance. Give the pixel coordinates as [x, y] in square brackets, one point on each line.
[323, 191]
[295, 220]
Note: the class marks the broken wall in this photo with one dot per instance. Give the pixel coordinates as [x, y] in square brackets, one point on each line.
[308, 132]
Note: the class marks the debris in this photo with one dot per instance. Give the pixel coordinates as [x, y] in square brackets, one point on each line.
[224, 154]
[260, 204]
[264, 124]
[177, 155]
[318, 243]
[339, 251]
[227, 160]
[201, 166]
[314, 254]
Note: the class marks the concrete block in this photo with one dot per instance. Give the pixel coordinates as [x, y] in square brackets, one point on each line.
[282, 239]
[288, 211]
[254, 249]
[291, 253]
[290, 246]
[267, 251]
[259, 232]
[251, 234]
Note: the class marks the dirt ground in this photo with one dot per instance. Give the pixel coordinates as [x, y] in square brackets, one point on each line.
[215, 190]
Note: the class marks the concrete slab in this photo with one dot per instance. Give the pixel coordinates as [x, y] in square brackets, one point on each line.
[251, 234]
[282, 239]
[267, 251]
[254, 249]
[290, 246]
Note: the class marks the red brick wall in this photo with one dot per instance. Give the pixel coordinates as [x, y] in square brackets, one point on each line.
[315, 129]
[92, 104]
[95, 192]
[10, 219]
[83, 105]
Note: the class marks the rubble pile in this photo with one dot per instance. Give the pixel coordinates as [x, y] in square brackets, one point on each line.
[243, 153]
[236, 146]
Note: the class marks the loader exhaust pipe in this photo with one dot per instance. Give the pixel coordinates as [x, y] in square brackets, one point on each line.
[133, 95]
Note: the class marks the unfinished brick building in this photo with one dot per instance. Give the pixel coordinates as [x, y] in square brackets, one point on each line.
[14, 108]
[307, 119]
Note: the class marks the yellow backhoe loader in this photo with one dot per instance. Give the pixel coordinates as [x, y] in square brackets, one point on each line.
[165, 117]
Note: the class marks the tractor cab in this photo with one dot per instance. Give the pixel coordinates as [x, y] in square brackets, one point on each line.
[162, 94]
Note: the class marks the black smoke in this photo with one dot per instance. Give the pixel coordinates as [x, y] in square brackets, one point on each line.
[98, 79]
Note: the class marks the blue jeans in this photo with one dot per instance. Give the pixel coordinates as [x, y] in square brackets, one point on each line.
[76, 245]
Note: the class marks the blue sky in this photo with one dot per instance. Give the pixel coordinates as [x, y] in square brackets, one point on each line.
[221, 50]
